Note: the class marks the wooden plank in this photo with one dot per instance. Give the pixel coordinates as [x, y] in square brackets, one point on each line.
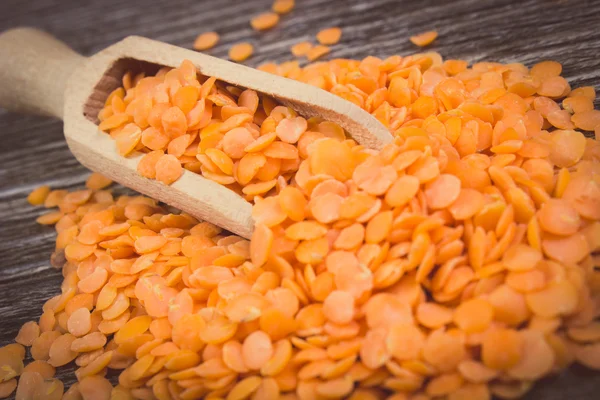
[33, 151]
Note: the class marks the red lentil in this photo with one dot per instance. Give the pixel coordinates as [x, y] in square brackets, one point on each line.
[423, 39]
[283, 6]
[301, 49]
[329, 36]
[316, 52]
[206, 40]
[264, 21]
[240, 52]
[443, 265]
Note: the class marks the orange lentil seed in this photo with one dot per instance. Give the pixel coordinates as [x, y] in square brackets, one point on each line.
[264, 21]
[317, 52]
[301, 49]
[423, 39]
[283, 6]
[329, 36]
[206, 40]
[97, 181]
[38, 195]
[7, 388]
[28, 333]
[168, 169]
[241, 51]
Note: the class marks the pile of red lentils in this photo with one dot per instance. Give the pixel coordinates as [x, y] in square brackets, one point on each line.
[460, 262]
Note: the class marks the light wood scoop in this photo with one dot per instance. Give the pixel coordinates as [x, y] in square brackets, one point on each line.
[40, 75]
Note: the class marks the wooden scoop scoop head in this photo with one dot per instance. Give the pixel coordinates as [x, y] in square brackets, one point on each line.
[43, 76]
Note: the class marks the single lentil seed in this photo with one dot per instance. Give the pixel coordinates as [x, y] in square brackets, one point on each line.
[264, 21]
[329, 36]
[206, 40]
[283, 6]
[241, 52]
[423, 39]
[301, 49]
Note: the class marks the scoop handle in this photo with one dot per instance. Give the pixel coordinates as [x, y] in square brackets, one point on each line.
[34, 69]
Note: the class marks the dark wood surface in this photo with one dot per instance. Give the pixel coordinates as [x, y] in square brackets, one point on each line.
[33, 151]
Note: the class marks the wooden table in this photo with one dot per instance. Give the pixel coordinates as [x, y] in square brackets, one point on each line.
[33, 151]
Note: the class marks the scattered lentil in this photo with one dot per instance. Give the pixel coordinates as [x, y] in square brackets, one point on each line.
[316, 52]
[38, 196]
[240, 52]
[424, 39]
[206, 40]
[329, 36]
[264, 21]
[97, 181]
[301, 49]
[283, 6]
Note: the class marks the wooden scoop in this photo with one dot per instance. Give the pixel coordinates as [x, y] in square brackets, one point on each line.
[43, 76]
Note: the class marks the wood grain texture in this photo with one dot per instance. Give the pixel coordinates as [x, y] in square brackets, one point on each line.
[33, 151]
